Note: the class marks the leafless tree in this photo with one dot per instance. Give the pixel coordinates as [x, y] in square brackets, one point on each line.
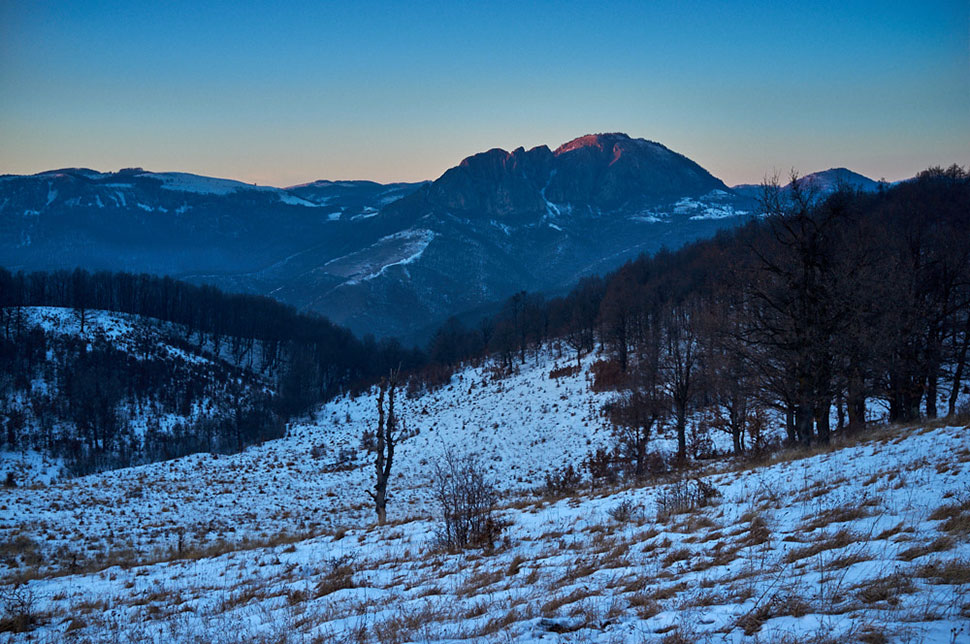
[384, 443]
[680, 366]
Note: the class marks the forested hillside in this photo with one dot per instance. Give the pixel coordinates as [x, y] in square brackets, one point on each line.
[818, 311]
[112, 369]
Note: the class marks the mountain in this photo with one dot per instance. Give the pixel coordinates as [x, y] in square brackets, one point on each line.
[173, 223]
[384, 259]
[824, 181]
[605, 172]
[537, 219]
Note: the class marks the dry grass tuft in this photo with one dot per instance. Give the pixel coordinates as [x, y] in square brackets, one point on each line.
[891, 532]
[952, 572]
[840, 539]
[758, 532]
[955, 518]
[839, 514]
[886, 589]
[779, 605]
[680, 554]
[941, 544]
[338, 574]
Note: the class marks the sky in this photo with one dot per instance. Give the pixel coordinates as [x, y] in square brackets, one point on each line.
[284, 93]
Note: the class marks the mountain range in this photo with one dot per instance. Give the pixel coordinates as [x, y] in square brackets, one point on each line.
[387, 259]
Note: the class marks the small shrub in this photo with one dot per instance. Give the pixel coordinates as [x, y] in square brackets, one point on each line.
[19, 614]
[699, 443]
[561, 481]
[684, 496]
[466, 502]
[625, 512]
[564, 372]
[609, 466]
[338, 573]
[607, 376]
[604, 466]
[318, 451]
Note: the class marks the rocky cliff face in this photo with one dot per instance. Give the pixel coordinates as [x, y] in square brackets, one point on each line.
[597, 172]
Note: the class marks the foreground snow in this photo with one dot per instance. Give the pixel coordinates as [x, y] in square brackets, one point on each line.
[866, 543]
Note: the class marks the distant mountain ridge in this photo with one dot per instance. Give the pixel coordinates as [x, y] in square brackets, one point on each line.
[384, 259]
[824, 181]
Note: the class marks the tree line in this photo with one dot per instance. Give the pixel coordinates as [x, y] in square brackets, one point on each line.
[317, 359]
[817, 310]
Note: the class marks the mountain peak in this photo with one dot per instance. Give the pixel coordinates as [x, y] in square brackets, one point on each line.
[829, 180]
[604, 141]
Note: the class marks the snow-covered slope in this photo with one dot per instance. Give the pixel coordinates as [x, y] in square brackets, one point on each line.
[315, 479]
[864, 542]
[121, 389]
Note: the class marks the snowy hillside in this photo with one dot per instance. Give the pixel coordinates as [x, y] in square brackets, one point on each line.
[315, 479]
[121, 389]
[859, 543]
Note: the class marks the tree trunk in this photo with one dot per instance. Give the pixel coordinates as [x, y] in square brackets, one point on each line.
[386, 438]
[958, 372]
[380, 501]
[822, 422]
[736, 438]
[681, 433]
[856, 403]
[934, 347]
[803, 423]
[840, 412]
[380, 484]
[931, 393]
[790, 424]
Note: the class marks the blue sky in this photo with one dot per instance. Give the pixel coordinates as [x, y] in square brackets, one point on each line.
[286, 93]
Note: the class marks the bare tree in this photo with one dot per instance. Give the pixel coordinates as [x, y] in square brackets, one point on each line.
[384, 444]
[728, 375]
[680, 366]
[638, 412]
[79, 296]
[794, 312]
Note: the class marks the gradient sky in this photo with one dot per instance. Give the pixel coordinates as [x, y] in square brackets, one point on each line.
[287, 93]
